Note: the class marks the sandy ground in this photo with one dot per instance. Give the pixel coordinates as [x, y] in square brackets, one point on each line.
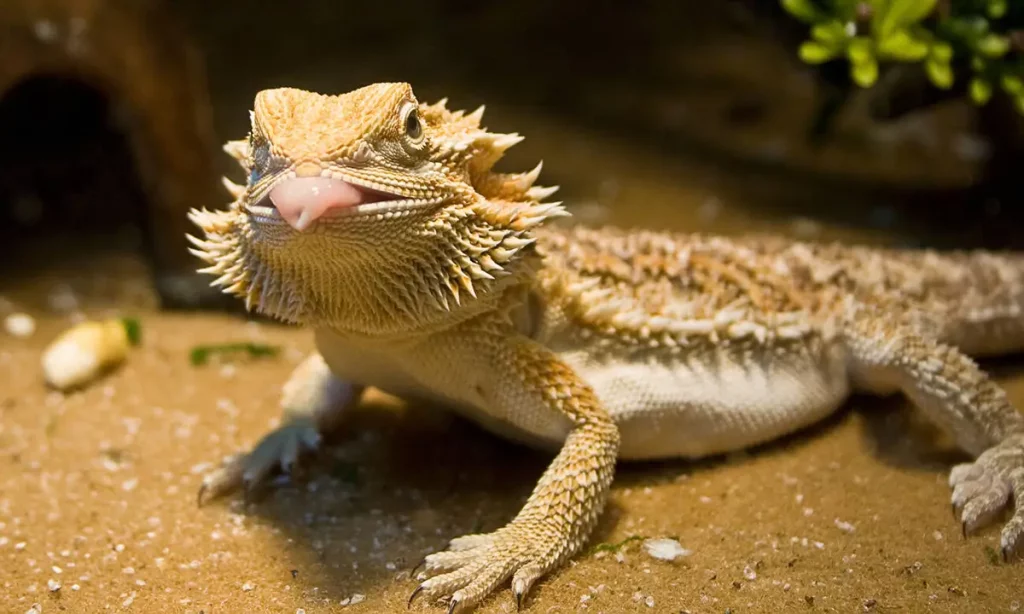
[98, 494]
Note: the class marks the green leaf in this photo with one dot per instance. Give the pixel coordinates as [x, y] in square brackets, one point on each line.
[804, 10]
[1013, 85]
[893, 15]
[831, 34]
[993, 45]
[981, 90]
[940, 73]
[969, 27]
[865, 72]
[860, 50]
[942, 52]
[997, 8]
[903, 47]
[814, 52]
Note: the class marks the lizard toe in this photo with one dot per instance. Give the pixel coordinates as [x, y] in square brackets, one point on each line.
[484, 562]
[1012, 536]
[280, 450]
[984, 488]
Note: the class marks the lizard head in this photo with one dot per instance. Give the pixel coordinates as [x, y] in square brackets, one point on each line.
[370, 212]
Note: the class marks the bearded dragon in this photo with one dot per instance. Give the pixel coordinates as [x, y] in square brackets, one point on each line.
[380, 223]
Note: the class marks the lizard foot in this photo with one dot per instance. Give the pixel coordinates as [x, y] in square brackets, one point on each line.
[982, 489]
[475, 565]
[281, 449]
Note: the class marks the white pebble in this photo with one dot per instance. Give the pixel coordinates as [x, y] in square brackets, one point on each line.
[248, 586]
[844, 526]
[665, 549]
[53, 585]
[749, 573]
[20, 325]
[649, 601]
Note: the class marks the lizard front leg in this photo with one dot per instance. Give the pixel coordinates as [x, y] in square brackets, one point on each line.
[950, 388]
[313, 401]
[565, 504]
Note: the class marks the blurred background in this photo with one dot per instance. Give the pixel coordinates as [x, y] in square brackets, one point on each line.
[691, 116]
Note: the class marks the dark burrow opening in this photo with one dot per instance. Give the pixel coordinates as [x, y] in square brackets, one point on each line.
[68, 183]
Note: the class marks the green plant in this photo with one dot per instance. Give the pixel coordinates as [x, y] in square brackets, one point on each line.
[981, 41]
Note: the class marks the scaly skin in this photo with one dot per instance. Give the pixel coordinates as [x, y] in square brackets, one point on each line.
[377, 221]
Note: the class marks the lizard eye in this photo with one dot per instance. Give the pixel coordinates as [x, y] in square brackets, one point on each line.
[413, 126]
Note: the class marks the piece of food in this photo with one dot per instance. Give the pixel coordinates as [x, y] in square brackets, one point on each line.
[87, 350]
[201, 354]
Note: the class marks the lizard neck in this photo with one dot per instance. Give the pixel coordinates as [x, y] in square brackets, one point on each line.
[374, 282]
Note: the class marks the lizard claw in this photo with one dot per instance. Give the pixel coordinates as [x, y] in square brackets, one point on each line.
[983, 488]
[423, 561]
[412, 597]
[478, 564]
[280, 450]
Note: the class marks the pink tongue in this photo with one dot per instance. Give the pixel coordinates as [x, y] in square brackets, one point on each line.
[303, 200]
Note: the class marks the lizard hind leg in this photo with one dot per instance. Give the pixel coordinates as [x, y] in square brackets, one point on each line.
[956, 394]
[312, 402]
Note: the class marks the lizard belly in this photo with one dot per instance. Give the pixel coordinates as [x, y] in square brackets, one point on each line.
[679, 408]
[454, 384]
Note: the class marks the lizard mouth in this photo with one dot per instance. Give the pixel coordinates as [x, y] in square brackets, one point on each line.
[300, 201]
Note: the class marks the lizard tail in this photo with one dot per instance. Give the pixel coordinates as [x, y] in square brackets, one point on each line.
[983, 295]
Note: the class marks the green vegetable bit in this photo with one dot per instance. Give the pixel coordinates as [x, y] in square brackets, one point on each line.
[200, 354]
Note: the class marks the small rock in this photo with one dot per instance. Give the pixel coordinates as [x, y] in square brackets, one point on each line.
[20, 325]
[665, 549]
[844, 526]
